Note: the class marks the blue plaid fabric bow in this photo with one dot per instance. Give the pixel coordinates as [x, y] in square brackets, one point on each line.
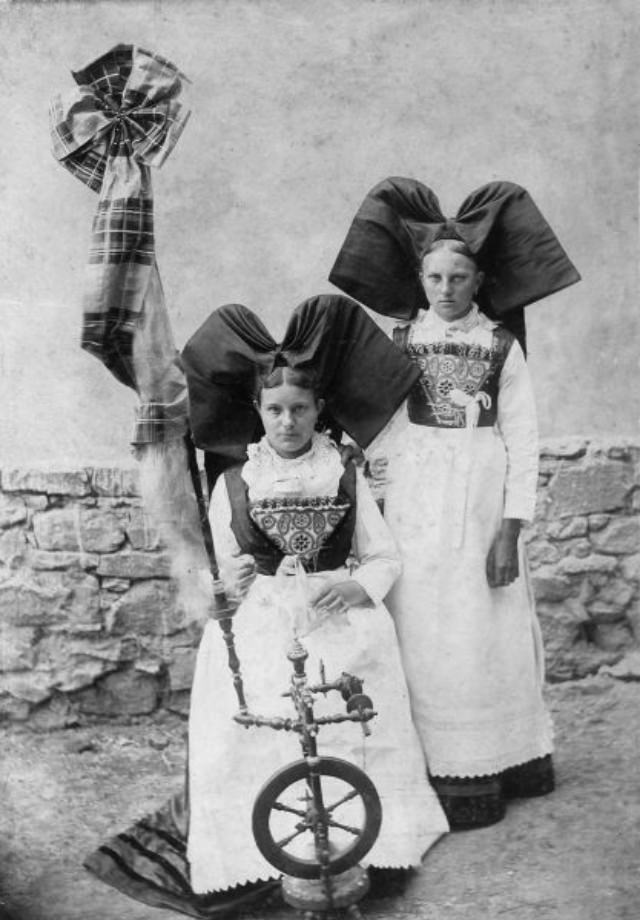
[124, 116]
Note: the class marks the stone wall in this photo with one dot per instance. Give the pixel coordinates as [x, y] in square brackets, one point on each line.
[584, 554]
[90, 626]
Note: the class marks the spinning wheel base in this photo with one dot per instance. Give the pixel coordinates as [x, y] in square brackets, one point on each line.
[309, 895]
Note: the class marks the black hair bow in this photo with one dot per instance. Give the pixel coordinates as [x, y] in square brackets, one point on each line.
[380, 259]
[361, 374]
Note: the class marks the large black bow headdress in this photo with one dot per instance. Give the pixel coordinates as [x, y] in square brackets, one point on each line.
[380, 259]
[362, 376]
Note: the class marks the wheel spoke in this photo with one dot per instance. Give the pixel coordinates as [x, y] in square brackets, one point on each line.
[345, 798]
[285, 840]
[278, 806]
[356, 831]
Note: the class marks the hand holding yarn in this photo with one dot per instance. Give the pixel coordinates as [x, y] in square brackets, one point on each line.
[338, 598]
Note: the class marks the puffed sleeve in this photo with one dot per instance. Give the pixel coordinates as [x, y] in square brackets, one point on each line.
[224, 542]
[373, 546]
[385, 447]
[519, 428]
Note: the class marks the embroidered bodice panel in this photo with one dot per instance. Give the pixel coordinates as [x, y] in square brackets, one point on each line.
[298, 527]
[459, 363]
[302, 506]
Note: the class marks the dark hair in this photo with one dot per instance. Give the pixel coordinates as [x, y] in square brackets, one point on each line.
[293, 376]
[453, 244]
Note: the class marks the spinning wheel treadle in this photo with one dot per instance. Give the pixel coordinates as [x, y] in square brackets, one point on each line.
[348, 842]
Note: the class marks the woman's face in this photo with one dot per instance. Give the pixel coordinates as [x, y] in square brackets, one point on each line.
[289, 415]
[450, 281]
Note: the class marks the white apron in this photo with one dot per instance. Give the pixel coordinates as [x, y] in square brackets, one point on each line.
[472, 654]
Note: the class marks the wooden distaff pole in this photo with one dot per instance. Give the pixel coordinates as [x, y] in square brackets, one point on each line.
[223, 609]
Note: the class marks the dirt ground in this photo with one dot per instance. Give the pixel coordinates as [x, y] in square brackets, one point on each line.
[574, 855]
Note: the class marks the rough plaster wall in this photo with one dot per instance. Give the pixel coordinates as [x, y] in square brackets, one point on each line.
[299, 108]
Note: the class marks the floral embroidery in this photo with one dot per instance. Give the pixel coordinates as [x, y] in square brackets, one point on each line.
[298, 527]
[449, 366]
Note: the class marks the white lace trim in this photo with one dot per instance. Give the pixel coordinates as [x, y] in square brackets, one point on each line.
[528, 737]
[316, 472]
[429, 326]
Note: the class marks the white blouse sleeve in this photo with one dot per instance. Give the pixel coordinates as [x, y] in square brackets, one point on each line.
[224, 542]
[373, 546]
[519, 428]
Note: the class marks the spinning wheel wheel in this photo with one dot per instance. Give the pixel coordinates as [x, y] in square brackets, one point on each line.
[316, 817]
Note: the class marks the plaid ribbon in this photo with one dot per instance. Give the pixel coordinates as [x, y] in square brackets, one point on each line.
[124, 116]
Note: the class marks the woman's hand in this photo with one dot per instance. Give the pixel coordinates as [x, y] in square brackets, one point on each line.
[502, 560]
[337, 598]
[238, 574]
[378, 469]
[378, 479]
[351, 452]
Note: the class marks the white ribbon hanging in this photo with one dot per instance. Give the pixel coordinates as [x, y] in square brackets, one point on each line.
[295, 594]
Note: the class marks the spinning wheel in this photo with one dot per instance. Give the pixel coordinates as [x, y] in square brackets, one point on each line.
[317, 817]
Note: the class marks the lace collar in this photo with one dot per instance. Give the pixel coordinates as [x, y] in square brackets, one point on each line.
[314, 473]
[429, 323]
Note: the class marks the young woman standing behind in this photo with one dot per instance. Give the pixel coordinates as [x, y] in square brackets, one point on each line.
[461, 463]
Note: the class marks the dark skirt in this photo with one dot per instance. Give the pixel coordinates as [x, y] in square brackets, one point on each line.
[480, 801]
[148, 862]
